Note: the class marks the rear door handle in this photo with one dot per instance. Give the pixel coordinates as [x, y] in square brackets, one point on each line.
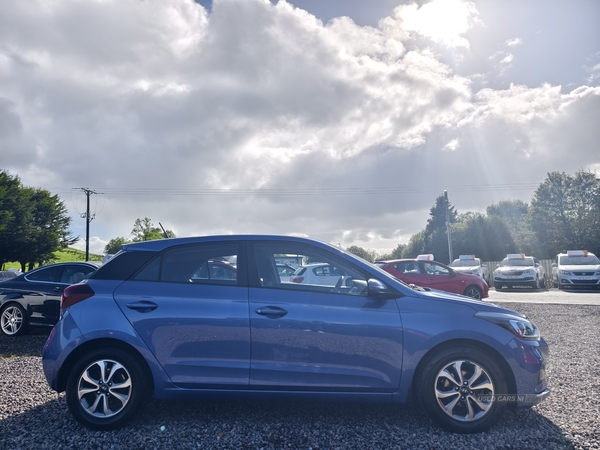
[142, 306]
[271, 311]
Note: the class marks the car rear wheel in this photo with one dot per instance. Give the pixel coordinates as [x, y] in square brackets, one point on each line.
[106, 388]
[458, 389]
[474, 292]
[13, 320]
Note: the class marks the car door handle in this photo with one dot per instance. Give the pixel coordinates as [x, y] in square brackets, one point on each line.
[275, 311]
[58, 289]
[143, 306]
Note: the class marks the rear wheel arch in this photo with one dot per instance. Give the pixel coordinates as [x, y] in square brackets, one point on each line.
[76, 355]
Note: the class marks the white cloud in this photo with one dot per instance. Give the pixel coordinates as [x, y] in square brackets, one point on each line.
[260, 118]
[443, 21]
[513, 42]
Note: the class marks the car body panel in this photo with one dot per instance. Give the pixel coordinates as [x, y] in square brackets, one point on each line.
[325, 341]
[199, 334]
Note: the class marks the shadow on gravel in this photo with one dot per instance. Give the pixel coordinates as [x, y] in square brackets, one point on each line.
[242, 425]
[30, 344]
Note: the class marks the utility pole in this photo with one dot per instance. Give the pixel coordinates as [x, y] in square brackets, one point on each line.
[448, 228]
[88, 218]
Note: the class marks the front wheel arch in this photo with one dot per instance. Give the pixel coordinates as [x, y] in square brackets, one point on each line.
[506, 369]
[451, 382]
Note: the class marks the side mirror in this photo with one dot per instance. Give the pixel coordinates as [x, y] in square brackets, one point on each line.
[377, 288]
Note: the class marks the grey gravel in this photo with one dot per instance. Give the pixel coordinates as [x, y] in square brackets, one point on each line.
[33, 416]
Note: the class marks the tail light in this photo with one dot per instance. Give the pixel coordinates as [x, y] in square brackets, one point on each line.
[75, 294]
[298, 280]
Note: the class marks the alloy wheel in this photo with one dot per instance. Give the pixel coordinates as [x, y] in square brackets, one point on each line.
[464, 390]
[104, 388]
[11, 320]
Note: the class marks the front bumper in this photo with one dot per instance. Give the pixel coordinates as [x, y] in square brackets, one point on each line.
[579, 282]
[521, 281]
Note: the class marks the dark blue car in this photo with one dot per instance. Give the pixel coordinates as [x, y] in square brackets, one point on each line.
[157, 321]
[33, 298]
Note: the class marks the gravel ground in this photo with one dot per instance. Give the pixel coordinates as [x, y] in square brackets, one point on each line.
[33, 416]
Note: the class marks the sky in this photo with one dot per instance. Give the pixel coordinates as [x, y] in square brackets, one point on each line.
[341, 120]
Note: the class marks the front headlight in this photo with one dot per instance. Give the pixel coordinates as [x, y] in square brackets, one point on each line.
[521, 327]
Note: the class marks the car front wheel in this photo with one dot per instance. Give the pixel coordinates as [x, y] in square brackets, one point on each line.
[106, 388]
[459, 387]
[474, 292]
[13, 320]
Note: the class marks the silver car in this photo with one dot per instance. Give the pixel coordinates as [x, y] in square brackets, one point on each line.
[474, 266]
[576, 268]
[517, 270]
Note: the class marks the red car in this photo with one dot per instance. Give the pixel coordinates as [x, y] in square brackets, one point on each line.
[425, 272]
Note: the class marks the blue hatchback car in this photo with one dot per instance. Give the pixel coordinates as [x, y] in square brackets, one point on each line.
[162, 319]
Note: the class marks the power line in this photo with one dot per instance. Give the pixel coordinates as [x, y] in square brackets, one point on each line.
[295, 192]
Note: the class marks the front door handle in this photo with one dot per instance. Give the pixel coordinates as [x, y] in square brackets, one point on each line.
[271, 311]
[142, 306]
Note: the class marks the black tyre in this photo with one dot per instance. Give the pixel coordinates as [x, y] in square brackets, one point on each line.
[474, 292]
[13, 320]
[498, 286]
[544, 283]
[106, 388]
[536, 283]
[456, 389]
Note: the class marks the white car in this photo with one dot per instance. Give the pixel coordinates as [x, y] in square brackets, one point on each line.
[576, 268]
[519, 270]
[320, 274]
[470, 264]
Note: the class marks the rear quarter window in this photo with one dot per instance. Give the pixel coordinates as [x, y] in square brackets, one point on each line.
[123, 265]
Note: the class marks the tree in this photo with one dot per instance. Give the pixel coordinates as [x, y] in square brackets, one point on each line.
[486, 237]
[368, 255]
[395, 254]
[33, 223]
[144, 230]
[415, 246]
[565, 213]
[514, 213]
[114, 245]
[436, 237]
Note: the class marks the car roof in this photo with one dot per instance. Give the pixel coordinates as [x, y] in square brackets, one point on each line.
[161, 244]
